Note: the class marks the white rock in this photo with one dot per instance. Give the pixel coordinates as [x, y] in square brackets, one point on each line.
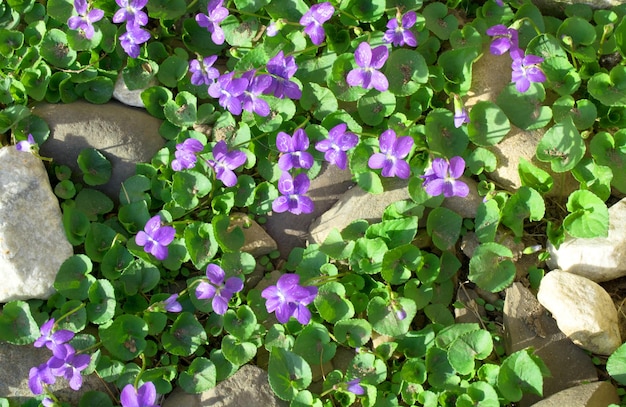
[583, 310]
[599, 259]
[129, 97]
[33, 244]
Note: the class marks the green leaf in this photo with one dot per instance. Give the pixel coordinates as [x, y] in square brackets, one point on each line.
[36, 80]
[93, 203]
[457, 68]
[95, 398]
[561, 146]
[240, 33]
[406, 71]
[230, 238]
[188, 187]
[472, 345]
[95, 167]
[314, 344]
[400, 262]
[55, 49]
[519, 373]
[182, 111]
[375, 106]
[583, 112]
[337, 80]
[368, 367]
[593, 177]
[488, 124]
[99, 90]
[367, 11]
[75, 223]
[391, 320]
[490, 267]
[115, 261]
[438, 21]
[125, 337]
[74, 279]
[353, 332]
[336, 247]
[441, 373]
[154, 98]
[241, 323]
[288, 373]
[166, 9]
[17, 325]
[236, 351]
[10, 41]
[139, 276]
[534, 177]
[251, 6]
[525, 110]
[609, 89]
[199, 377]
[589, 216]
[101, 306]
[481, 159]
[443, 137]
[610, 150]
[525, 203]
[486, 221]
[201, 243]
[185, 335]
[444, 226]
[332, 304]
[616, 365]
[318, 100]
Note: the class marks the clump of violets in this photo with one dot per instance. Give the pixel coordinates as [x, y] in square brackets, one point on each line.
[85, 19]
[229, 90]
[216, 13]
[186, 154]
[442, 178]
[225, 162]
[202, 71]
[398, 30]
[293, 150]
[289, 299]
[314, 19]
[144, 396]
[335, 146]
[131, 12]
[526, 70]
[155, 237]
[393, 150]
[216, 287]
[369, 61]
[282, 68]
[293, 198]
[251, 100]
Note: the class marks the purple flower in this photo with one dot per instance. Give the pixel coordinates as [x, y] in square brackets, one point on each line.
[172, 305]
[154, 238]
[313, 20]
[68, 364]
[133, 38]
[228, 89]
[398, 32]
[130, 11]
[369, 60]
[186, 154]
[202, 71]
[225, 162]
[144, 397]
[499, 3]
[38, 376]
[335, 146]
[293, 198]
[52, 340]
[392, 152]
[26, 145]
[441, 178]
[282, 69]
[250, 99]
[460, 112]
[506, 39]
[354, 386]
[288, 299]
[216, 14]
[293, 149]
[84, 20]
[274, 27]
[216, 288]
[525, 71]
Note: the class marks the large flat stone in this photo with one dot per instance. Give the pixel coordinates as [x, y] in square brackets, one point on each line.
[33, 244]
[597, 394]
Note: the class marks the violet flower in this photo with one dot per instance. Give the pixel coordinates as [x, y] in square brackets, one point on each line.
[186, 154]
[131, 12]
[370, 61]
[293, 149]
[335, 146]
[84, 20]
[68, 364]
[525, 71]
[441, 178]
[506, 39]
[289, 299]
[392, 151]
[398, 32]
[225, 162]
[293, 198]
[202, 71]
[38, 376]
[274, 27]
[154, 237]
[354, 386]
[53, 340]
[132, 39]
[145, 396]
[26, 145]
[171, 304]
[211, 21]
[250, 99]
[460, 112]
[314, 19]
[282, 69]
[228, 89]
[216, 288]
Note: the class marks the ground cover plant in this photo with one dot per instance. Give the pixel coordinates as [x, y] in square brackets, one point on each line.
[155, 295]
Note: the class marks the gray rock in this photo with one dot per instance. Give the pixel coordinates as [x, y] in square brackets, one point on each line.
[257, 241]
[527, 324]
[15, 363]
[472, 311]
[122, 94]
[598, 394]
[598, 259]
[557, 7]
[33, 244]
[247, 388]
[125, 136]
[583, 310]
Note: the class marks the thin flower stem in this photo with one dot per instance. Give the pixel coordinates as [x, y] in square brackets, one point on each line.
[307, 49]
[143, 368]
[531, 22]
